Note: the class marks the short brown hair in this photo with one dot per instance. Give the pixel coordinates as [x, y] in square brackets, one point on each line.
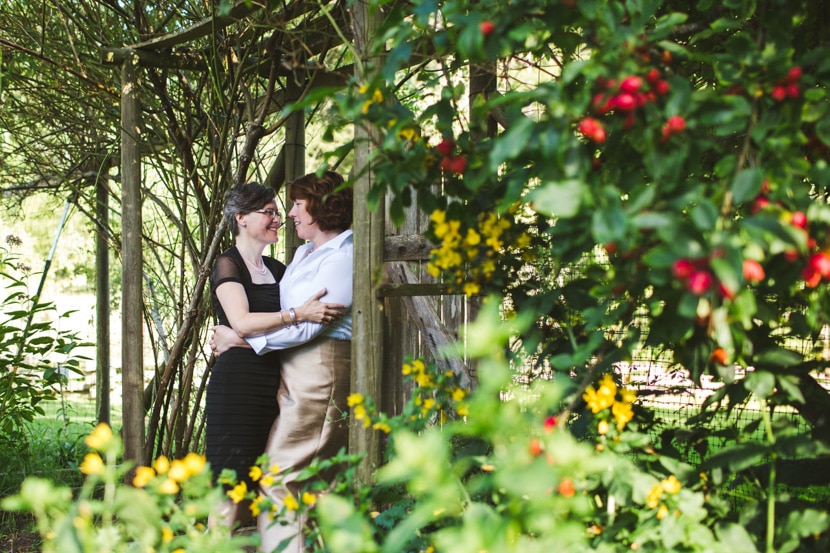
[245, 198]
[328, 202]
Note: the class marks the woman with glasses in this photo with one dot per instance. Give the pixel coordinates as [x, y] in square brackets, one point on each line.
[316, 358]
[241, 393]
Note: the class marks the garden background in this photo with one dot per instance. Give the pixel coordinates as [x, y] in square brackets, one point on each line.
[629, 197]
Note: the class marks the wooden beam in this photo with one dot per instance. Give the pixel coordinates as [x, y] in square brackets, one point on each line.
[201, 29]
[407, 247]
[132, 319]
[367, 313]
[436, 336]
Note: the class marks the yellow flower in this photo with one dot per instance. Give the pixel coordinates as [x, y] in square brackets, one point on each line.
[662, 512]
[290, 503]
[458, 394]
[255, 473]
[255, 507]
[654, 496]
[424, 380]
[438, 216]
[671, 485]
[169, 487]
[100, 437]
[602, 428]
[142, 477]
[359, 412]
[178, 471]
[166, 534]
[473, 238]
[382, 426]
[628, 396]
[354, 399]
[179, 550]
[623, 413]
[92, 464]
[462, 409]
[195, 463]
[267, 480]
[604, 397]
[471, 289]
[410, 134]
[162, 465]
[238, 492]
[309, 498]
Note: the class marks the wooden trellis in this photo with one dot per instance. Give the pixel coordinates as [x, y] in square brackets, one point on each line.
[390, 321]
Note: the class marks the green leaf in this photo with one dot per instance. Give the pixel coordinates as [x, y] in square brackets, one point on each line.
[558, 199]
[760, 383]
[735, 537]
[345, 530]
[737, 457]
[747, 185]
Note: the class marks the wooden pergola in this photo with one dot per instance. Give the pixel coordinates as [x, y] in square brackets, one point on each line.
[378, 247]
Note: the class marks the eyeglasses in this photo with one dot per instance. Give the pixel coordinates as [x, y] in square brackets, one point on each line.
[269, 212]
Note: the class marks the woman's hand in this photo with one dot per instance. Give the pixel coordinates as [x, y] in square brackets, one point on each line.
[225, 338]
[315, 311]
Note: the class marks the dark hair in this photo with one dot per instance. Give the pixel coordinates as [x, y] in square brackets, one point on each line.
[328, 202]
[245, 198]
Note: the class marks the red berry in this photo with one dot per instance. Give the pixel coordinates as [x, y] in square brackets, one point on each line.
[682, 269]
[760, 203]
[653, 76]
[799, 219]
[811, 276]
[676, 124]
[631, 84]
[700, 282]
[487, 27]
[535, 447]
[753, 271]
[779, 93]
[446, 146]
[661, 88]
[592, 130]
[793, 74]
[720, 356]
[820, 263]
[550, 423]
[454, 164]
[793, 91]
[566, 488]
[624, 101]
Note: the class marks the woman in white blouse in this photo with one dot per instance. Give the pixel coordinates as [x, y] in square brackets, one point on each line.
[316, 357]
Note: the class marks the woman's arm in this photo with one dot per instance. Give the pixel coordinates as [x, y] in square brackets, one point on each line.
[235, 304]
[335, 275]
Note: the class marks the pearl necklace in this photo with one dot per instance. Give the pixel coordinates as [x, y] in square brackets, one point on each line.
[263, 271]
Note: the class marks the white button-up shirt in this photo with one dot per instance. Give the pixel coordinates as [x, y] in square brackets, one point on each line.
[330, 266]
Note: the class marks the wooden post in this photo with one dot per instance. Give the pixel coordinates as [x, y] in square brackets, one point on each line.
[132, 361]
[294, 156]
[102, 303]
[367, 316]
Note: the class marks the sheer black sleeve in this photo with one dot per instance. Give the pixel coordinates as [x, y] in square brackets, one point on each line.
[226, 269]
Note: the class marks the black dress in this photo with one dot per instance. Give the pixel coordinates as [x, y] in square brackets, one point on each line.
[241, 402]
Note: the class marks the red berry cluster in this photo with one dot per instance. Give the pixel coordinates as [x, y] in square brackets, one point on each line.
[788, 86]
[817, 267]
[625, 97]
[592, 129]
[450, 162]
[629, 94]
[695, 274]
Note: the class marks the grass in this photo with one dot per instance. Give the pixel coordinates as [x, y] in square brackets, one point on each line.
[51, 447]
